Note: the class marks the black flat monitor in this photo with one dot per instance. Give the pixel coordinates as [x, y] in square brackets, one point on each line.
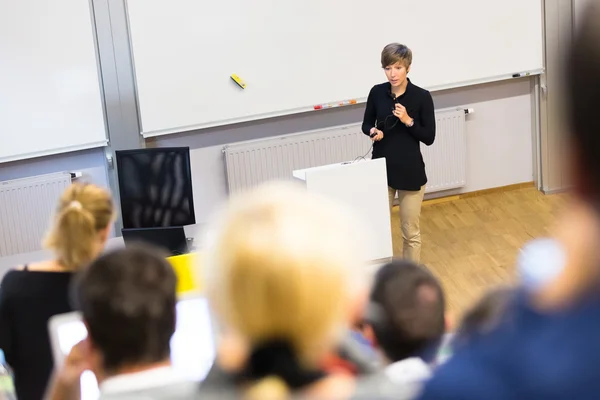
[155, 187]
[171, 239]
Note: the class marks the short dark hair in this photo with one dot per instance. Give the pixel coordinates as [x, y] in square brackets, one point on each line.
[406, 310]
[128, 301]
[396, 53]
[583, 95]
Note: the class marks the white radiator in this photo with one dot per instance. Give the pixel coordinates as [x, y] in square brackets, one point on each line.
[250, 163]
[26, 208]
[446, 159]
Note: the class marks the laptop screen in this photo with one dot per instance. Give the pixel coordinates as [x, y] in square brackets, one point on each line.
[192, 345]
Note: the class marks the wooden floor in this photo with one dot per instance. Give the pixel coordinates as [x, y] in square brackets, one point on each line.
[471, 244]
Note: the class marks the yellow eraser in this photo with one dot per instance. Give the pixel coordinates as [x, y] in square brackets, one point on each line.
[239, 81]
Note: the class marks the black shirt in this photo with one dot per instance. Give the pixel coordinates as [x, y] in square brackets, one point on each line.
[27, 301]
[401, 145]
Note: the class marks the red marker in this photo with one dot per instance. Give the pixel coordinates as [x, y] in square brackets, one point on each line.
[331, 105]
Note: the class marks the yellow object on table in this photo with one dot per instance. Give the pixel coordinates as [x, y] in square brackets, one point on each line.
[186, 268]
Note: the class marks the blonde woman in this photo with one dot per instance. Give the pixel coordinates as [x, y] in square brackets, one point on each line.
[33, 293]
[281, 275]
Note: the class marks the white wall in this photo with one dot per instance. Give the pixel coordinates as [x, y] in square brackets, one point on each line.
[90, 162]
[208, 167]
[499, 139]
[499, 133]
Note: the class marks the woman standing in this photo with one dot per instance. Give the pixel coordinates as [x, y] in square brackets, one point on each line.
[30, 295]
[398, 117]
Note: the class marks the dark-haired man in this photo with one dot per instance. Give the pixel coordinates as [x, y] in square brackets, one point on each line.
[405, 320]
[128, 302]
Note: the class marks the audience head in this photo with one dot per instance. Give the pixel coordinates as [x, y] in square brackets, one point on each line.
[128, 302]
[485, 315]
[583, 97]
[81, 225]
[283, 267]
[406, 313]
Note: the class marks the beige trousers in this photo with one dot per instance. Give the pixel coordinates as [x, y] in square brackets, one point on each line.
[410, 214]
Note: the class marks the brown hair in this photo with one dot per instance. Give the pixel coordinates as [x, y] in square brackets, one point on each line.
[406, 310]
[134, 289]
[394, 53]
[83, 211]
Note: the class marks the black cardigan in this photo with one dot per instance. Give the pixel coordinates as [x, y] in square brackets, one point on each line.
[27, 301]
[401, 145]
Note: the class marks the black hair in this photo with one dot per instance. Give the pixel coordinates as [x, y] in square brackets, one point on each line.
[128, 301]
[406, 310]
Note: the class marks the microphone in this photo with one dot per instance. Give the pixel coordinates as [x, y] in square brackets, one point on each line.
[393, 96]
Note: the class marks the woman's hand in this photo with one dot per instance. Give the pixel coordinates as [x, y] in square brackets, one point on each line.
[400, 112]
[376, 135]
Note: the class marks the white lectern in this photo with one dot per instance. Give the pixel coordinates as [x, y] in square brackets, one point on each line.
[363, 186]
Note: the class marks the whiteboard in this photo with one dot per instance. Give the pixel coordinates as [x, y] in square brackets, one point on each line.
[294, 55]
[50, 96]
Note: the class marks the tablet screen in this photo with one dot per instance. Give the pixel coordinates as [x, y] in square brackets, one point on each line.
[192, 345]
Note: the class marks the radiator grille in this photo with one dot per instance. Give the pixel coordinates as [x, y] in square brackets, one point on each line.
[250, 163]
[26, 207]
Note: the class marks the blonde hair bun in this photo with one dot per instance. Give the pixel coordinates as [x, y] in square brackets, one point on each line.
[83, 210]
